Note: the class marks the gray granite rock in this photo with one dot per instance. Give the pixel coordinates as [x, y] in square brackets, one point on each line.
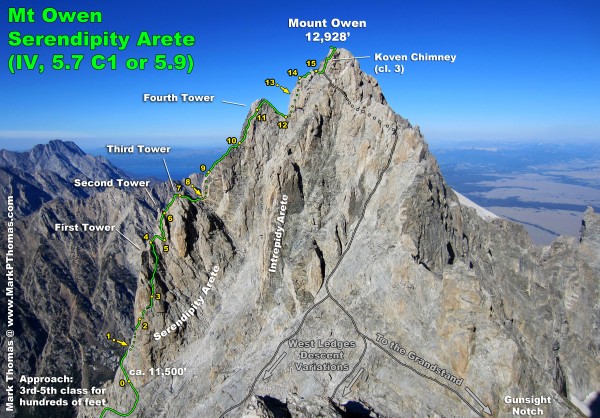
[378, 253]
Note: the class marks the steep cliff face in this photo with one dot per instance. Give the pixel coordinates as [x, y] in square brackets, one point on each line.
[71, 288]
[65, 159]
[377, 252]
[47, 171]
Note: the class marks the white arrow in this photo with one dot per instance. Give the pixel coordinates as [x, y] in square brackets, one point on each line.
[484, 408]
[348, 387]
[150, 196]
[269, 372]
[128, 240]
[169, 174]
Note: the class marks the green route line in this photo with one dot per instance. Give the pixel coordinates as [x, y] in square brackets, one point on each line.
[162, 237]
[263, 102]
[245, 131]
[333, 49]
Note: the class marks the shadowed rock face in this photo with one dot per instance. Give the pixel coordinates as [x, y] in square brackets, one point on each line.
[374, 244]
[47, 172]
[71, 288]
[65, 159]
[366, 202]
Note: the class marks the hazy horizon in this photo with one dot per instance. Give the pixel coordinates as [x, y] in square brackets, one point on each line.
[526, 71]
[98, 146]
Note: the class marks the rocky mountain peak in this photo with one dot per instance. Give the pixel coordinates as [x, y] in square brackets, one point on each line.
[590, 227]
[63, 158]
[333, 222]
[58, 146]
[47, 172]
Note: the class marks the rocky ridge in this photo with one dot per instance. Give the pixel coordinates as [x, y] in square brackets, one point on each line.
[375, 243]
[71, 288]
[47, 172]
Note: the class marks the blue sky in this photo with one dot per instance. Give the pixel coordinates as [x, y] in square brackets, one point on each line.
[524, 70]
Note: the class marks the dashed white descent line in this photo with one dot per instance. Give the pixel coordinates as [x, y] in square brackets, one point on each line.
[128, 240]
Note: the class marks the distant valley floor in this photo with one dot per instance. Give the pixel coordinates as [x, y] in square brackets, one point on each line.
[544, 186]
